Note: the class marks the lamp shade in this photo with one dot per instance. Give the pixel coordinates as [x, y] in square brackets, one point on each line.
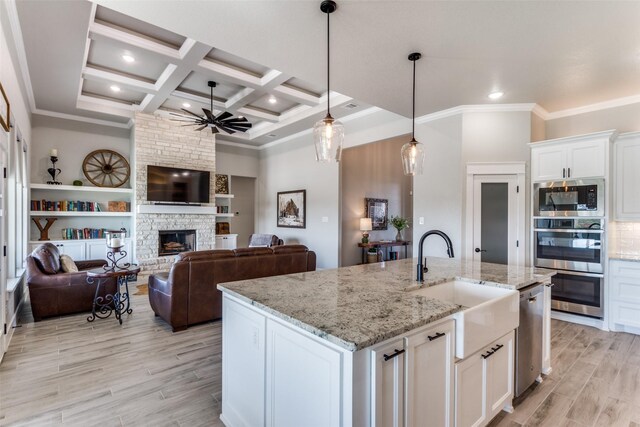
[365, 224]
[328, 135]
[412, 154]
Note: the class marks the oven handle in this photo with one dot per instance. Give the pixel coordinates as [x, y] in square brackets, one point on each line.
[570, 230]
[579, 273]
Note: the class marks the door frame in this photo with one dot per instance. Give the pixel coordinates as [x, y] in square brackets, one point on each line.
[517, 169]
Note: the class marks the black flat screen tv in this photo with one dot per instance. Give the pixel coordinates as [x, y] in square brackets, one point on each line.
[173, 185]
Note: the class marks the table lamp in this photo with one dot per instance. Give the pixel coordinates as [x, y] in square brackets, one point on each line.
[365, 227]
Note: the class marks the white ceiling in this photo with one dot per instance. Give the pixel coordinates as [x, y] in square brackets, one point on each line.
[558, 54]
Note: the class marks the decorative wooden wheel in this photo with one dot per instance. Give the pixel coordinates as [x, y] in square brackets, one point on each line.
[106, 168]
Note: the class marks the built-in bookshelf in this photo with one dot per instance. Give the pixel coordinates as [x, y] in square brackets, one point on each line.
[223, 203]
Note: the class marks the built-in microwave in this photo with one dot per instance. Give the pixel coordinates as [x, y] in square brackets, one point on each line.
[583, 197]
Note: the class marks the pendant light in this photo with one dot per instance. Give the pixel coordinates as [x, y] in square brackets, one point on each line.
[328, 133]
[412, 152]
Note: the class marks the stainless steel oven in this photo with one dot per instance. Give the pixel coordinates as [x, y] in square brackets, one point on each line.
[582, 197]
[577, 292]
[570, 244]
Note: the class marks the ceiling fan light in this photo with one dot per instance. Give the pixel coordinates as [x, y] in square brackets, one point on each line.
[412, 154]
[328, 136]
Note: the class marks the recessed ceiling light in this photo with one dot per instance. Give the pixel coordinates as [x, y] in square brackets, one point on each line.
[186, 105]
[128, 58]
[115, 88]
[496, 95]
[272, 99]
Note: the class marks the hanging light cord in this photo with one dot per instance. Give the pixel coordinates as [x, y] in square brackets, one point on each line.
[328, 67]
[413, 114]
[212, 99]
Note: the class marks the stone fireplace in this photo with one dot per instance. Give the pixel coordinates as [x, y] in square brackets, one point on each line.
[172, 242]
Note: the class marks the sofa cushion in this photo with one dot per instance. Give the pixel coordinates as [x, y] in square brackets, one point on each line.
[68, 265]
[209, 254]
[47, 258]
[289, 249]
[253, 251]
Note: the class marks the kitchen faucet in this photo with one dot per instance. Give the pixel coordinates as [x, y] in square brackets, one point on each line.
[423, 268]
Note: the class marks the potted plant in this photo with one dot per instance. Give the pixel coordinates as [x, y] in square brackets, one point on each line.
[399, 223]
[372, 255]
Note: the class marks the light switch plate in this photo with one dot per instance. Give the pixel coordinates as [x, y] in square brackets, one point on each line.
[325, 219]
[421, 220]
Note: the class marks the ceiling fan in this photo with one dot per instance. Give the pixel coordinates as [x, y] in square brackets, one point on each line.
[224, 121]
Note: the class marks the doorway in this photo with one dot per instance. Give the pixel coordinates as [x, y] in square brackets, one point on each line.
[495, 220]
[243, 207]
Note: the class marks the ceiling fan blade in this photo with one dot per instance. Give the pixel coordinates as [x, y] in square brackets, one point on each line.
[214, 129]
[236, 128]
[209, 115]
[193, 114]
[237, 125]
[202, 127]
[227, 130]
[224, 115]
[236, 122]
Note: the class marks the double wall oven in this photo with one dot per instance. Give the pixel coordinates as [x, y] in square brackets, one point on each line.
[569, 236]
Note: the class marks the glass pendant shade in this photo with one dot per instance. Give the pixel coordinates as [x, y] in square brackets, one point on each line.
[412, 154]
[328, 135]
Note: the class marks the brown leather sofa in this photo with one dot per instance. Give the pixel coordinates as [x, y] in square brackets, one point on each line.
[53, 292]
[187, 294]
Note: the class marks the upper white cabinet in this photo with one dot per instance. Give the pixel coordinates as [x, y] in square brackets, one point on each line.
[627, 177]
[584, 156]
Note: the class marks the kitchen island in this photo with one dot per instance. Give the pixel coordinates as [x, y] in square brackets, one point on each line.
[307, 348]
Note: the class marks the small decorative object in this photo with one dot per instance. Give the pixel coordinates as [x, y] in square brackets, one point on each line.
[5, 110]
[222, 228]
[376, 209]
[393, 255]
[292, 209]
[115, 253]
[106, 168]
[53, 170]
[44, 231]
[372, 255]
[222, 184]
[399, 223]
[118, 207]
[77, 183]
[365, 227]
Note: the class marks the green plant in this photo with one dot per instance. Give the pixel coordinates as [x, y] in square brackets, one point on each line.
[399, 223]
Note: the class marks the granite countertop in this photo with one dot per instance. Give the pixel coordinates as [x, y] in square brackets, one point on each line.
[356, 307]
[624, 257]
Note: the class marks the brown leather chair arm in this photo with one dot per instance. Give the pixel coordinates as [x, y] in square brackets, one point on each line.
[311, 261]
[90, 263]
[57, 280]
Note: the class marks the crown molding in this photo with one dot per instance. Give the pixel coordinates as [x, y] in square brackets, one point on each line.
[478, 108]
[82, 119]
[237, 144]
[16, 32]
[612, 103]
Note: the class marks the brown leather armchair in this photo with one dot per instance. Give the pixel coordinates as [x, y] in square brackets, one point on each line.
[53, 292]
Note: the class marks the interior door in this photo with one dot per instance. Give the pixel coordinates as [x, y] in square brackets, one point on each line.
[3, 242]
[495, 219]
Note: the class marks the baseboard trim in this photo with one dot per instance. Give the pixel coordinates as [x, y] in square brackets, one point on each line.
[580, 320]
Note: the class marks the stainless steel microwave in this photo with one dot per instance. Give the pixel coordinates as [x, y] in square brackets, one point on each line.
[582, 197]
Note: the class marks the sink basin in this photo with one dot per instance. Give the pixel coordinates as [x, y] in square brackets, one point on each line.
[490, 312]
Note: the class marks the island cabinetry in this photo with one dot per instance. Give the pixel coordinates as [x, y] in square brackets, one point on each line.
[484, 383]
[412, 377]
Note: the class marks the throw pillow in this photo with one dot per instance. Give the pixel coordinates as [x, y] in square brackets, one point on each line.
[68, 265]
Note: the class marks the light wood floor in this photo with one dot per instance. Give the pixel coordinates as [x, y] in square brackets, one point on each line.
[71, 372]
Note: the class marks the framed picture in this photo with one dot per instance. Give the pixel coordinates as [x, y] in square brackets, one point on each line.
[377, 210]
[222, 184]
[292, 209]
[4, 109]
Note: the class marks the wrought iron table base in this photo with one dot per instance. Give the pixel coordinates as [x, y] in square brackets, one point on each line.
[118, 302]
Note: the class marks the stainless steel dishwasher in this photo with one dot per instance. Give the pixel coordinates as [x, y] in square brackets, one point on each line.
[529, 337]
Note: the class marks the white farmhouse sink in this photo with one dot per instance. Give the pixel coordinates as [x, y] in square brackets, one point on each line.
[490, 312]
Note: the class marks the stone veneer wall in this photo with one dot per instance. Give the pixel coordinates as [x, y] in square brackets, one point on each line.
[160, 141]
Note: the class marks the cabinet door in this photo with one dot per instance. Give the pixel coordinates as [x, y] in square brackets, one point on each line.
[429, 376]
[76, 250]
[243, 370]
[586, 159]
[97, 250]
[546, 331]
[387, 385]
[470, 391]
[499, 371]
[625, 293]
[304, 380]
[548, 163]
[627, 177]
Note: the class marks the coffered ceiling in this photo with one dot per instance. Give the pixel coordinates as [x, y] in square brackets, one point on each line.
[120, 65]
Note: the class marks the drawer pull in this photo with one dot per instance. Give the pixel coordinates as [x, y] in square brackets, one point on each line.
[489, 353]
[396, 353]
[436, 336]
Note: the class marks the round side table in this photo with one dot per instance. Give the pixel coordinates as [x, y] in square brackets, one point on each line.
[119, 302]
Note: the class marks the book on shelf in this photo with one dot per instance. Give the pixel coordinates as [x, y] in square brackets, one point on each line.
[65, 206]
[83, 233]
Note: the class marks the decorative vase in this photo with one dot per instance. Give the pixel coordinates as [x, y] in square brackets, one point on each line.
[399, 237]
[372, 257]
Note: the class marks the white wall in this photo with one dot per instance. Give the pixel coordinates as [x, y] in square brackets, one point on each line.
[237, 161]
[624, 119]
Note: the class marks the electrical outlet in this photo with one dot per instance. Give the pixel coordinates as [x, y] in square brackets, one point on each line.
[325, 219]
[421, 220]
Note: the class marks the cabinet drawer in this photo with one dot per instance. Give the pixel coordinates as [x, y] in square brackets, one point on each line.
[624, 313]
[628, 269]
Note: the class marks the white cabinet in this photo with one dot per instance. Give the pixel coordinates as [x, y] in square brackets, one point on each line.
[627, 177]
[97, 249]
[76, 250]
[624, 297]
[80, 250]
[412, 378]
[226, 241]
[484, 383]
[584, 156]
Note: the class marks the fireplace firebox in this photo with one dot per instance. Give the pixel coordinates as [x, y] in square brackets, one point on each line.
[172, 242]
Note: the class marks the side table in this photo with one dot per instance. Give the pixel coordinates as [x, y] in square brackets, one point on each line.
[119, 302]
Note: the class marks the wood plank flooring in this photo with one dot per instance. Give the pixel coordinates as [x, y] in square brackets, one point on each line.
[66, 371]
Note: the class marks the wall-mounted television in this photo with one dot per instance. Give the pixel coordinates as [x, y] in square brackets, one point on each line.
[174, 185]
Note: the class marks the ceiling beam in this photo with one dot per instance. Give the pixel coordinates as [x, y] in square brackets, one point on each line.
[297, 95]
[96, 74]
[99, 31]
[269, 81]
[245, 111]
